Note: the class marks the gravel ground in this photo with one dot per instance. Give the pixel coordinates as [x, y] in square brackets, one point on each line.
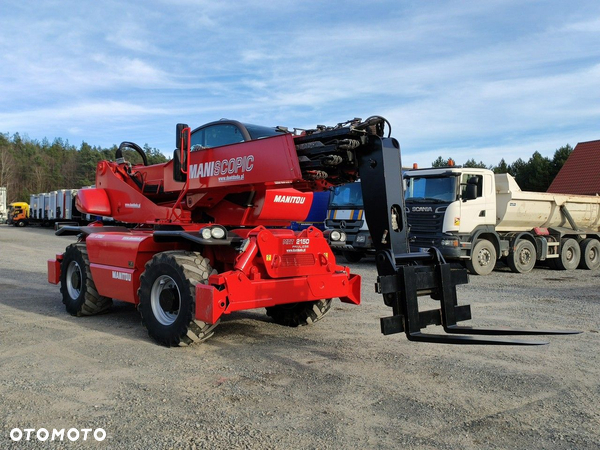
[338, 384]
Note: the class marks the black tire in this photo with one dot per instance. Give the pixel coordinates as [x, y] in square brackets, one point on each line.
[570, 255]
[20, 223]
[167, 296]
[353, 257]
[590, 254]
[483, 258]
[522, 259]
[299, 314]
[77, 285]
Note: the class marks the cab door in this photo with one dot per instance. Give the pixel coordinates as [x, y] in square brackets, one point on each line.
[480, 210]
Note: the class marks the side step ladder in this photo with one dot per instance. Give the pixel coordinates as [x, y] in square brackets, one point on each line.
[427, 273]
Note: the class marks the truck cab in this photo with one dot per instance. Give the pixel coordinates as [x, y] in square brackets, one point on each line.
[445, 207]
[346, 216]
[18, 214]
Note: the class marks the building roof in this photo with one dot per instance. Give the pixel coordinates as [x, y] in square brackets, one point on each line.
[581, 172]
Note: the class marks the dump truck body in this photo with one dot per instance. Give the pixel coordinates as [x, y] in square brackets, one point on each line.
[518, 210]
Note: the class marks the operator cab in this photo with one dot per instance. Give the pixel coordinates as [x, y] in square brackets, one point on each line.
[227, 132]
[216, 134]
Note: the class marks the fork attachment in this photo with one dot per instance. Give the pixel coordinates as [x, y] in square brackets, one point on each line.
[403, 276]
[426, 273]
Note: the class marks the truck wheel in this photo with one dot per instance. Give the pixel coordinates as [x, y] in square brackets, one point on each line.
[167, 296]
[77, 285]
[483, 258]
[353, 257]
[570, 255]
[299, 314]
[522, 259]
[21, 223]
[590, 254]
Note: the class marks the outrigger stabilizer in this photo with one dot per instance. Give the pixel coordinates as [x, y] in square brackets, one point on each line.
[403, 276]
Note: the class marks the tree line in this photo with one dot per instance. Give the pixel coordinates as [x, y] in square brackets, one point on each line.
[31, 167]
[536, 174]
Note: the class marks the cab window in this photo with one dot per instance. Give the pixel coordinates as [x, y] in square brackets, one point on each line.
[216, 136]
[464, 181]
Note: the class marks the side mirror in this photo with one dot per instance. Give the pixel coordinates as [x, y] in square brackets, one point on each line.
[471, 190]
[180, 155]
[181, 138]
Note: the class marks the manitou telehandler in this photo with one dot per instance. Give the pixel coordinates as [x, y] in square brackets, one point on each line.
[209, 235]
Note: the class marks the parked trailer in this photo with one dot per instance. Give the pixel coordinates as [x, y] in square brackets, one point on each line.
[53, 206]
[3, 206]
[479, 217]
[47, 205]
[50, 208]
[33, 208]
[65, 201]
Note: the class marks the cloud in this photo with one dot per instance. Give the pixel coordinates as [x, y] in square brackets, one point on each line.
[491, 76]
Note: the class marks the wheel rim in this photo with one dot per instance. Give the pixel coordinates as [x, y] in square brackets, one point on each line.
[525, 256]
[593, 254]
[74, 279]
[569, 254]
[165, 300]
[484, 257]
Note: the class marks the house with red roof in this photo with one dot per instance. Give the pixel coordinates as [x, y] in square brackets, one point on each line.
[581, 172]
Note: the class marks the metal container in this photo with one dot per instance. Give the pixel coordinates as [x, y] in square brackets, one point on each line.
[46, 212]
[69, 203]
[33, 206]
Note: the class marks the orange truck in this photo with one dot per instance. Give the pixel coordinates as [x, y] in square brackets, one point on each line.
[18, 214]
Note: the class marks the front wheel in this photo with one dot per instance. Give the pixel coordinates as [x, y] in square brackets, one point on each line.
[168, 298]
[299, 314]
[522, 259]
[483, 258]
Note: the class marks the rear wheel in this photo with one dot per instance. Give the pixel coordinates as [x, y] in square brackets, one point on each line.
[590, 254]
[483, 258]
[522, 259]
[299, 314]
[570, 255]
[168, 298]
[77, 285]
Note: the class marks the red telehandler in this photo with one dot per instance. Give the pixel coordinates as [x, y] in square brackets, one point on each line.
[208, 235]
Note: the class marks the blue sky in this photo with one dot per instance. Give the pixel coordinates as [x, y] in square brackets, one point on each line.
[467, 79]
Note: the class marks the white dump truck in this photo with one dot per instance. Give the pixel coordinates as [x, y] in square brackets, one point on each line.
[479, 217]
